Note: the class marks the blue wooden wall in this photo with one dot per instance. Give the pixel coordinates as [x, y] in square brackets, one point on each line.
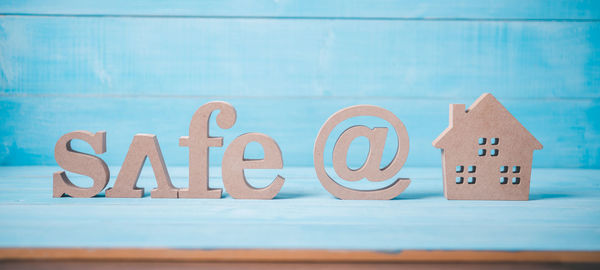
[132, 67]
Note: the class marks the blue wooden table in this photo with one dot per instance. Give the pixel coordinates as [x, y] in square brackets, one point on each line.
[562, 215]
[130, 67]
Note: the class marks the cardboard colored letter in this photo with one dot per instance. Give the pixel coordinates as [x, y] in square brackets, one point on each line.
[370, 170]
[142, 146]
[80, 163]
[199, 142]
[234, 164]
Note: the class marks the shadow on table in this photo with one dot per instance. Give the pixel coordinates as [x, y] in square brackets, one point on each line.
[535, 197]
[290, 195]
[418, 195]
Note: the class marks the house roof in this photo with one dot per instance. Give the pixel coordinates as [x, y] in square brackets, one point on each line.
[485, 112]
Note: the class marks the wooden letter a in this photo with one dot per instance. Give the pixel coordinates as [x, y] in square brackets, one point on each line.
[143, 145]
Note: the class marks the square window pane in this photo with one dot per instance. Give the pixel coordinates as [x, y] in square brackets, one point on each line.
[481, 152]
[495, 141]
[516, 169]
[459, 180]
[481, 141]
[516, 180]
[472, 180]
[460, 168]
[503, 180]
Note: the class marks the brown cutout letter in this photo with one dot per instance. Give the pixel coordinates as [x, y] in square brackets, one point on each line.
[80, 163]
[199, 141]
[142, 146]
[234, 164]
[370, 169]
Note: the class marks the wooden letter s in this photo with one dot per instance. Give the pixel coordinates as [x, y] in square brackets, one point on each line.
[80, 163]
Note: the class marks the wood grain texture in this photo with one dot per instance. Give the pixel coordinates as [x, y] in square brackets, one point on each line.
[569, 129]
[152, 265]
[332, 9]
[281, 255]
[563, 214]
[300, 60]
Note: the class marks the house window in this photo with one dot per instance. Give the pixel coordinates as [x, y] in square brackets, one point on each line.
[516, 180]
[472, 180]
[461, 173]
[482, 141]
[514, 174]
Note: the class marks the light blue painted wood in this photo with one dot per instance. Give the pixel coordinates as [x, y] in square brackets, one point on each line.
[288, 65]
[563, 214]
[473, 9]
[298, 58]
[568, 129]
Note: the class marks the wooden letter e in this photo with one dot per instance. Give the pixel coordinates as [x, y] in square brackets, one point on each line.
[234, 164]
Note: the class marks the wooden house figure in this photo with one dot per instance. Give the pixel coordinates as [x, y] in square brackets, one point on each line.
[486, 153]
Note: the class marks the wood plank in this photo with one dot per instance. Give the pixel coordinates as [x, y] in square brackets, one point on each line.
[212, 57]
[482, 9]
[313, 256]
[151, 265]
[562, 215]
[568, 129]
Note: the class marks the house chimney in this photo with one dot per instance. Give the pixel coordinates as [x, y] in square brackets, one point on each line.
[457, 112]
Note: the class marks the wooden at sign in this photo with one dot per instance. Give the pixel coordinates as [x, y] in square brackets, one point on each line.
[370, 169]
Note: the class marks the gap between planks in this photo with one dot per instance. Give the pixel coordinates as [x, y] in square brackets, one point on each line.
[321, 18]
